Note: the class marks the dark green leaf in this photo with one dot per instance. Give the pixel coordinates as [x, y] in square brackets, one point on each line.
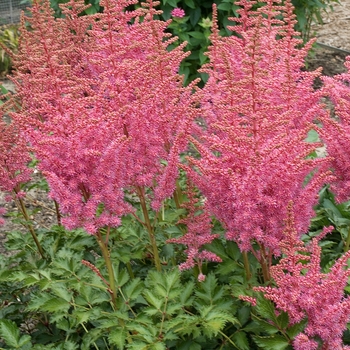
[276, 342]
[10, 333]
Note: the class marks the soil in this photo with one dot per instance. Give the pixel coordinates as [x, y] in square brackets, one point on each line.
[334, 33]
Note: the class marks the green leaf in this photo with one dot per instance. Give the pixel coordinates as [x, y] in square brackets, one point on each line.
[61, 291]
[133, 289]
[296, 328]
[266, 308]
[276, 342]
[10, 333]
[153, 299]
[24, 342]
[117, 337]
[225, 6]
[68, 345]
[55, 305]
[282, 320]
[312, 136]
[190, 3]
[241, 340]
[185, 296]
[195, 15]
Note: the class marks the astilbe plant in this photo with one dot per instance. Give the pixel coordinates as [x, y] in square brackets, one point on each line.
[104, 109]
[257, 109]
[305, 292]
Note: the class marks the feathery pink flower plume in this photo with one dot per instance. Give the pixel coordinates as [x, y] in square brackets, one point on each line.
[257, 109]
[103, 107]
[304, 291]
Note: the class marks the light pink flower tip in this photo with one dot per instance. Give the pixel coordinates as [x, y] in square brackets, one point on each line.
[201, 277]
[178, 12]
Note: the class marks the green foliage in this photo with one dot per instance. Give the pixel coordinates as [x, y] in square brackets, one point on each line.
[9, 39]
[308, 12]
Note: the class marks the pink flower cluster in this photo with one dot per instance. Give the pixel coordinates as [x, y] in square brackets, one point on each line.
[258, 107]
[14, 158]
[304, 291]
[336, 130]
[178, 12]
[103, 107]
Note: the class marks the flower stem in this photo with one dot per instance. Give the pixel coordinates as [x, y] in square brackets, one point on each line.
[20, 204]
[58, 214]
[150, 230]
[347, 243]
[107, 258]
[246, 266]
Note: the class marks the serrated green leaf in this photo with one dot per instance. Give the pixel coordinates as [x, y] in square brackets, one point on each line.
[61, 291]
[55, 305]
[262, 325]
[133, 289]
[10, 333]
[266, 308]
[241, 340]
[276, 342]
[282, 320]
[295, 329]
[122, 277]
[243, 314]
[185, 296]
[69, 345]
[153, 299]
[24, 342]
[117, 337]
[81, 316]
[158, 346]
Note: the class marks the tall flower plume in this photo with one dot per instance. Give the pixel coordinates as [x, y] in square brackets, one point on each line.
[257, 108]
[336, 130]
[103, 106]
[304, 291]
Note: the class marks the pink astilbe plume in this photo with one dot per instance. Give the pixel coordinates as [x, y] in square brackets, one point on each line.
[336, 131]
[14, 159]
[103, 107]
[305, 292]
[257, 109]
[198, 233]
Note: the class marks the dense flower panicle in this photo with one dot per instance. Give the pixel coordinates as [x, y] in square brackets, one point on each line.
[178, 12]
[14, 158]
[336, 130]
[198, 233]
[304, 291]
[103, 106]
[258, 107]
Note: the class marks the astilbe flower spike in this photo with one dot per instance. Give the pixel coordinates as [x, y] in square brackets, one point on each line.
[257, 108]
[305, 292]
[103, 107]
[336, 130]
[14, 158]
[198, 233]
